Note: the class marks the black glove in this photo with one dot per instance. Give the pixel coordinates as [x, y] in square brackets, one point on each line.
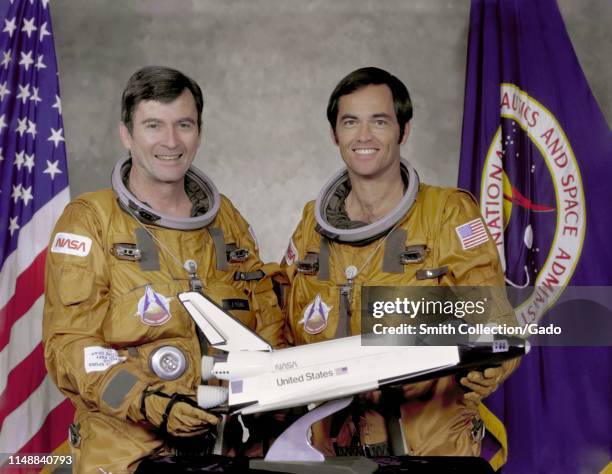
[177, 415]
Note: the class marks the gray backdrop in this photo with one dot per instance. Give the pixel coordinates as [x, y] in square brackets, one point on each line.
[267, 68]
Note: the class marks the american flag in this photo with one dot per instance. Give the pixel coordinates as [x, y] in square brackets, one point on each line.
[472, 234]
[33, 192]
[236, 386]
[341, 371]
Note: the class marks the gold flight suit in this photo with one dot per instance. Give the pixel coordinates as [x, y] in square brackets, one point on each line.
[104, 317]
[435, 419]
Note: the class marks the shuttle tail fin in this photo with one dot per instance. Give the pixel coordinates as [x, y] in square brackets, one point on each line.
[222, 330]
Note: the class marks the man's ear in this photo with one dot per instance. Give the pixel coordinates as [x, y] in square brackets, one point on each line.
[125, 135]
[333, 135]
[406, 132]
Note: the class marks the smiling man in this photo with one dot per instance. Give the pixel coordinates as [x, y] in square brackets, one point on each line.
[375, 224]
[117, 341]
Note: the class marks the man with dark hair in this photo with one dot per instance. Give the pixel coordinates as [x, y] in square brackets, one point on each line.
[402, 105]
[375, 224]
[158, 83]
[118, 342]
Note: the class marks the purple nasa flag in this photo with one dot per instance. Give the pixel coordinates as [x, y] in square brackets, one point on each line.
[537, 153]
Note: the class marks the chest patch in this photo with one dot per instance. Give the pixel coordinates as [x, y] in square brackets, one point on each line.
[153, 308]
[316, 316]
[71, 244]
[472, 234]
[291, 254]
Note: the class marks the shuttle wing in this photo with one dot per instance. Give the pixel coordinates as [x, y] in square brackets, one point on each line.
[220, 328]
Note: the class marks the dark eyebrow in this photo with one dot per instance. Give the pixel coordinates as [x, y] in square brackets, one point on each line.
[156, 120]
[375, 116]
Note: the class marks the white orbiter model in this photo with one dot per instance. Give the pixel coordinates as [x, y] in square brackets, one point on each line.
[262, 379]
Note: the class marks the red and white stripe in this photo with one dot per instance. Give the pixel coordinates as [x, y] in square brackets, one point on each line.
[34, 415]
[472, 234]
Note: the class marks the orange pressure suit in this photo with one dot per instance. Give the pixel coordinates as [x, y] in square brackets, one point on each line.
[435, 418]
[107, 314]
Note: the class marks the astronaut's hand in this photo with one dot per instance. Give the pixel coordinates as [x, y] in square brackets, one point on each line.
[177, 415]
[481, 384]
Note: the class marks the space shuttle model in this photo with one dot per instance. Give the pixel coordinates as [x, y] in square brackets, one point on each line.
[262, 379]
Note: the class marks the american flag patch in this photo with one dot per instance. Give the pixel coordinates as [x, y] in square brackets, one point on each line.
[472, 234]
[341, 371]
[236, 386]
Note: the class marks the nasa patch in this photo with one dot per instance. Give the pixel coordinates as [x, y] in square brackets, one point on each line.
[316, 316]
[71, 244]
[153, 308]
